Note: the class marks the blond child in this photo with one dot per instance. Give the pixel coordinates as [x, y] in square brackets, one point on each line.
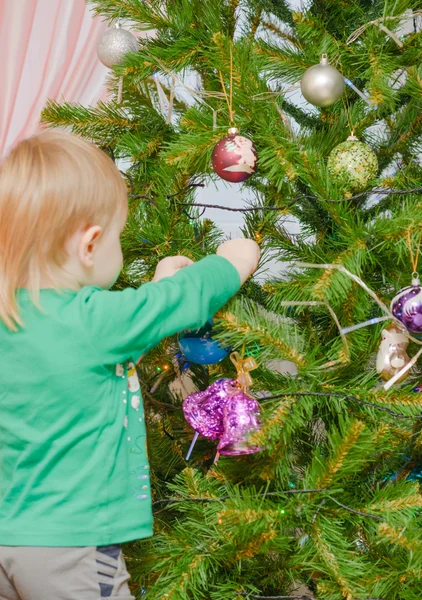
[74, 473]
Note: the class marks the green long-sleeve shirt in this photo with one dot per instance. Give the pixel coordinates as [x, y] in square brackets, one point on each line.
[73, 463]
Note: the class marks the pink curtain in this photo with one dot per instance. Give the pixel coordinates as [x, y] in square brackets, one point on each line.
[48, 50]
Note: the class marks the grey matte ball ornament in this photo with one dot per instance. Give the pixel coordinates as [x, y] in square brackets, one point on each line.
[322, 84]
[114, 44]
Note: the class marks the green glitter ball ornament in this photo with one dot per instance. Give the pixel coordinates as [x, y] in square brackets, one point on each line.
[353, 164]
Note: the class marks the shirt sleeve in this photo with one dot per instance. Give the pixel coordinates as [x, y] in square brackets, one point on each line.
[123, 325]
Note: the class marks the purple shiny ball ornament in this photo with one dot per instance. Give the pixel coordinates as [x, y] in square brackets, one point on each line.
[224, 412]
[234, 157]
[406, 306]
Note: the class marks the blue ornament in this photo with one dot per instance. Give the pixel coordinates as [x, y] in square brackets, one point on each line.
[416, 474]
[199, 347]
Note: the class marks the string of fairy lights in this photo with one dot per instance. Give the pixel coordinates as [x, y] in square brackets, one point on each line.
[185, 205]
[339, 395]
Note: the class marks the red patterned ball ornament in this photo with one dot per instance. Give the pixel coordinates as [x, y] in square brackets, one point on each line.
[234, 157]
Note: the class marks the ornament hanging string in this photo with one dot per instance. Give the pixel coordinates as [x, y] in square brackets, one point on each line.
[346, 107]
[120, 91]
[225, 94]
[231, 85]
[171, 101]
[413, 257]
[229, 100]
[347, 112]
[120, 85]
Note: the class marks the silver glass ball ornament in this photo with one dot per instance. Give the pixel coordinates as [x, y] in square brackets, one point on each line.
[322, 84]
[114, 44]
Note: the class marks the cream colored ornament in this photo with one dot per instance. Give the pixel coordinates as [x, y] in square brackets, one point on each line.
[322, 84]
[392, 356]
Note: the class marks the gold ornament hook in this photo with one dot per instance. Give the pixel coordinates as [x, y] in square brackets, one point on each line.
[243, 366]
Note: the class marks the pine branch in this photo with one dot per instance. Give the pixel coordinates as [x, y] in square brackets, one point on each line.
[222, 498]
[347, 397]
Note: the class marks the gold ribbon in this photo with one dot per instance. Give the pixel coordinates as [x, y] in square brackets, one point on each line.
[243, 366]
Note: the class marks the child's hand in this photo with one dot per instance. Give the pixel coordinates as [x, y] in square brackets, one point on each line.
[243, 254]
[170, 265]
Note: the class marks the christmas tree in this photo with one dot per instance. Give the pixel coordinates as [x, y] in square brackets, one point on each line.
[330, 505]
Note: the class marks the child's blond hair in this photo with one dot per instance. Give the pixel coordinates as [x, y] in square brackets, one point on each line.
[51, 185]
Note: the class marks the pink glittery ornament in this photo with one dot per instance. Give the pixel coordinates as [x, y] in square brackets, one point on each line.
[224, 412]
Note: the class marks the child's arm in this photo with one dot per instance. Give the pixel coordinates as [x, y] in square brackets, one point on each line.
[170, 265]
[242, 253]
[124, 325]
